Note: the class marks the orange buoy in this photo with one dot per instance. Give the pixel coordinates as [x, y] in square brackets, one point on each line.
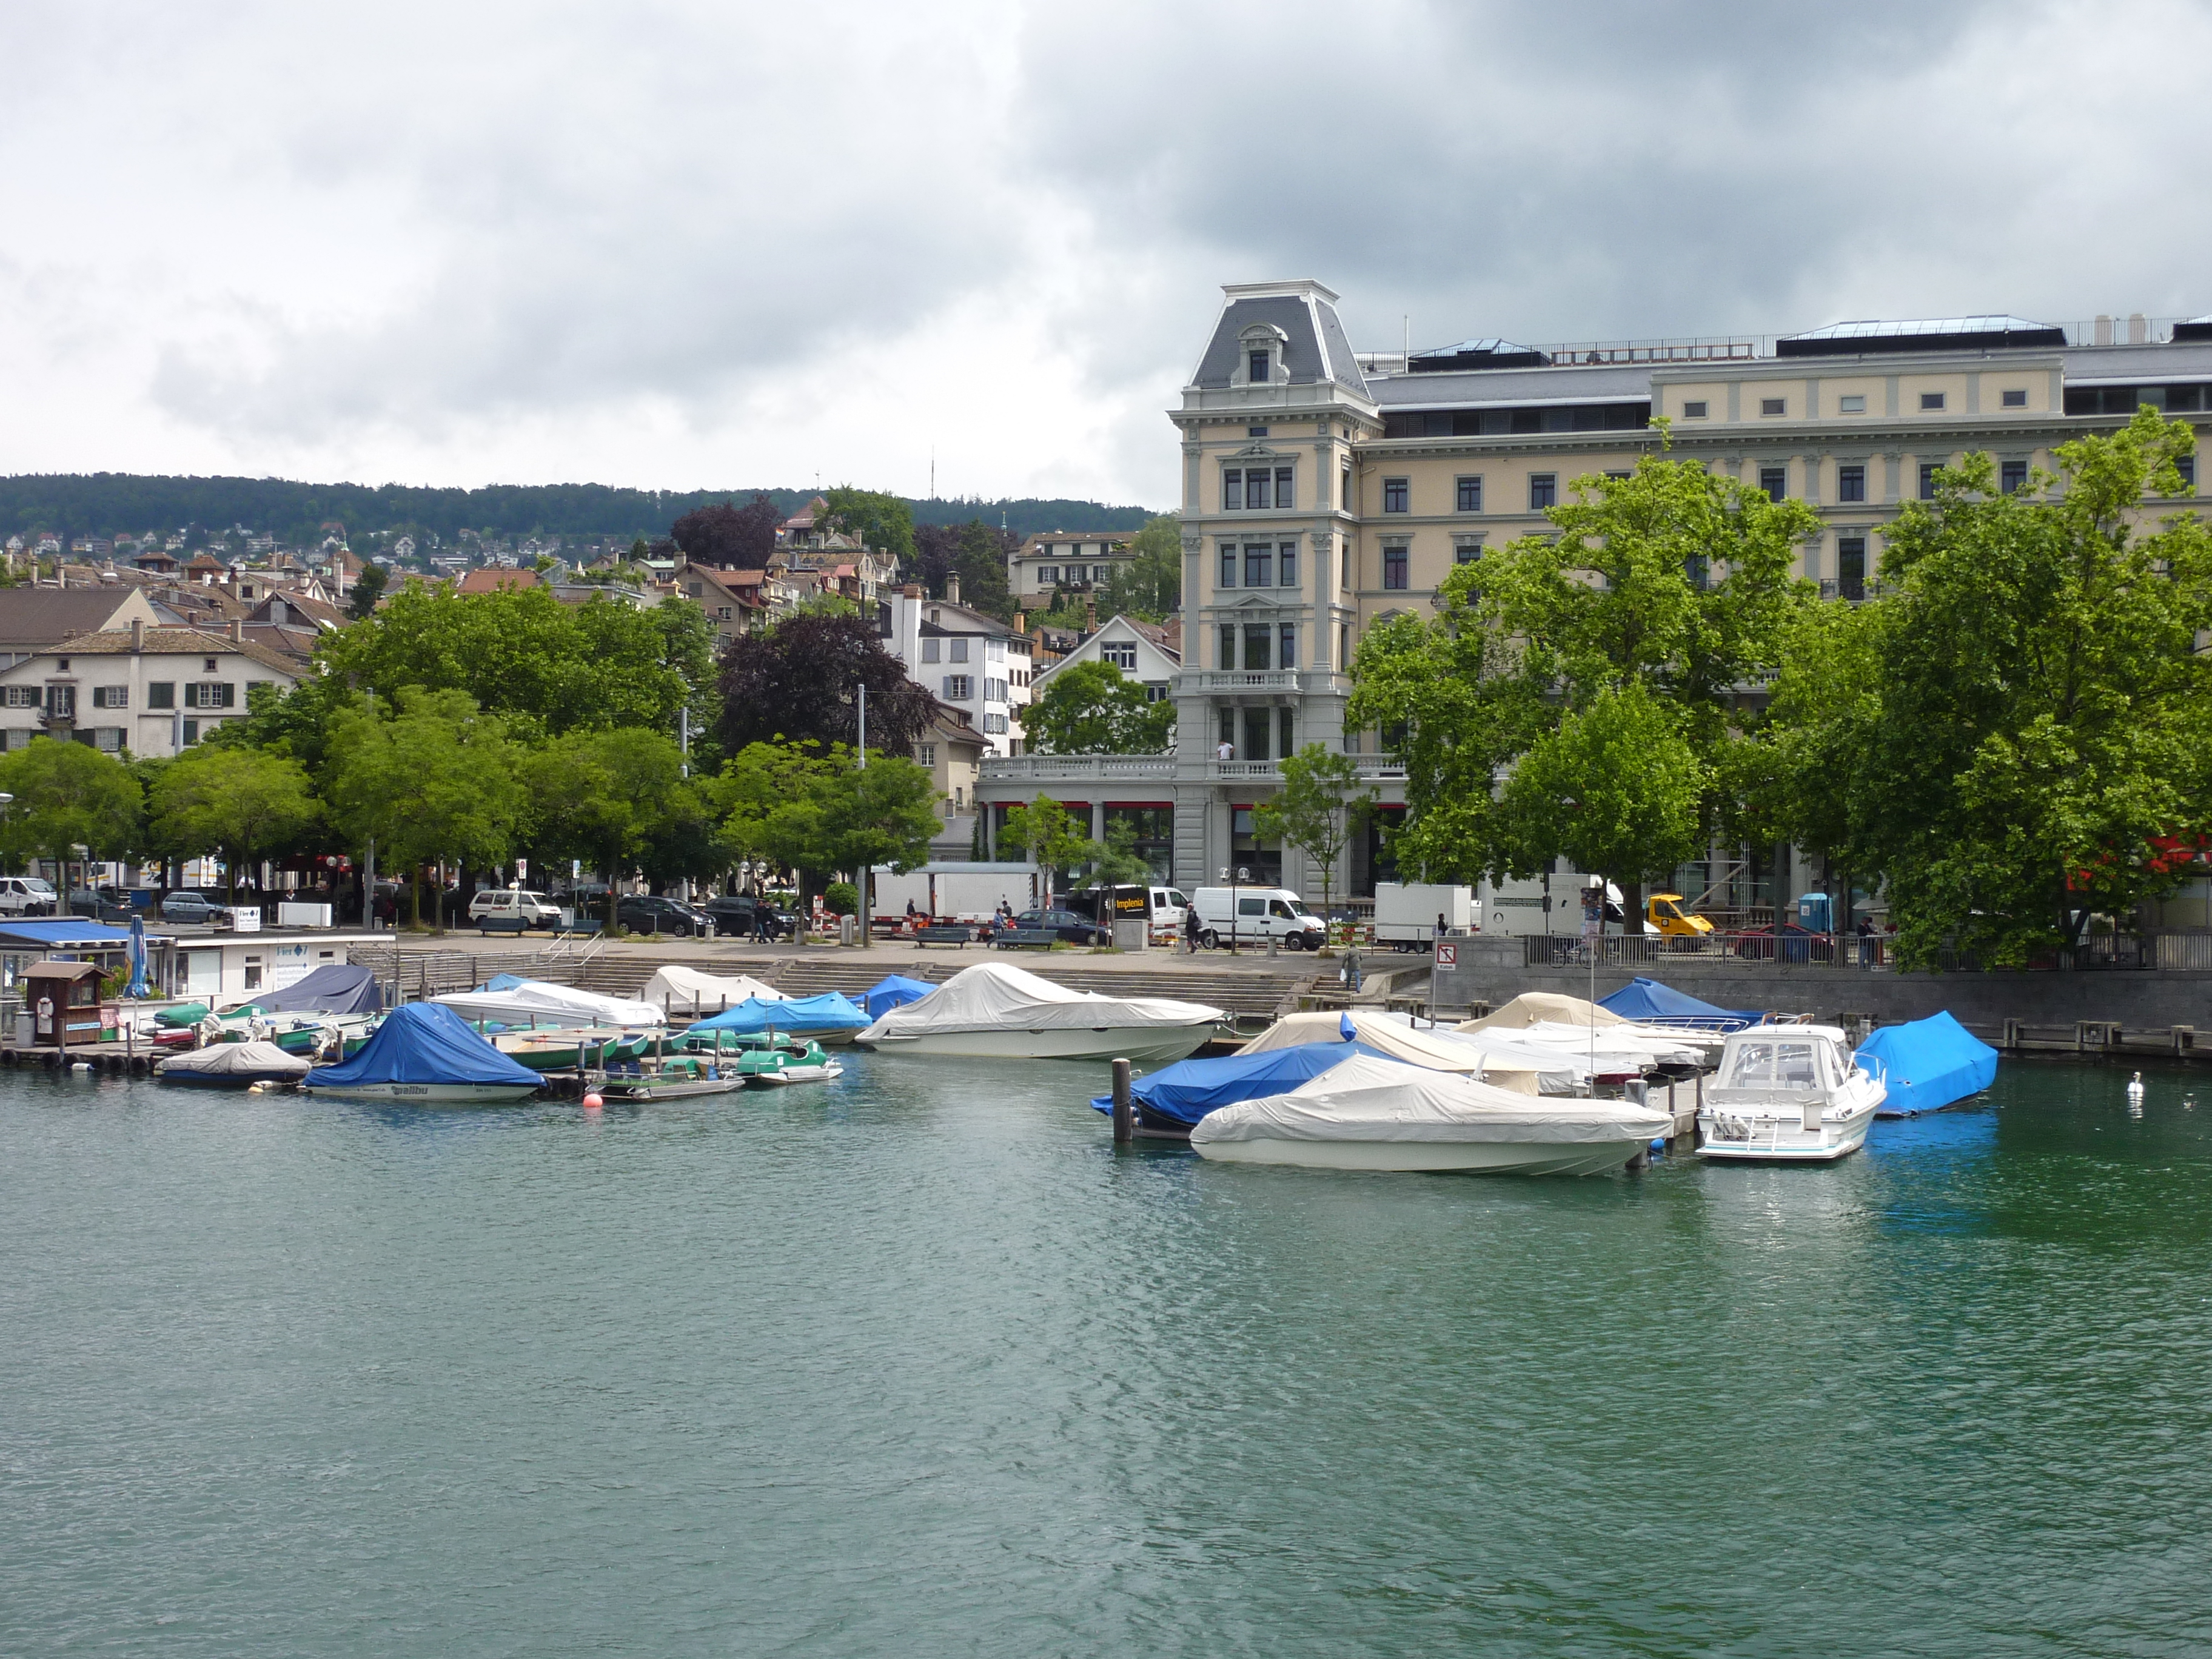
[592, 1103]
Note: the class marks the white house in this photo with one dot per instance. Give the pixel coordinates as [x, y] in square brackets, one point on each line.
[1052, 560]
[961, 657]
[1144, 651]
[152, 691]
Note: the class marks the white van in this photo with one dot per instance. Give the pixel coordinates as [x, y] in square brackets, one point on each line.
[1253, 915]
[513, 904]
[27, 896]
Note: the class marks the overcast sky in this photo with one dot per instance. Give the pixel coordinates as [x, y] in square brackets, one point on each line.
[719, 244]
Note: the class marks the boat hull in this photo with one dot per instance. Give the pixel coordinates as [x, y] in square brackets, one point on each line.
[428, 1094]
[1141, 1045]
[653, 1088]
[1785, 1140]
[233, 1080]
[1434, 1156]
[791, 1075]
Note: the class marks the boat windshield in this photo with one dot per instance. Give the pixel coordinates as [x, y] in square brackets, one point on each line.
[1773, 1064]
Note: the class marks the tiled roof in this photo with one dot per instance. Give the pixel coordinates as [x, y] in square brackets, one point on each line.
[175, 642]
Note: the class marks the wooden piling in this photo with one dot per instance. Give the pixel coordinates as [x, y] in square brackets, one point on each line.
[1125, 1110]
[2184, 1039]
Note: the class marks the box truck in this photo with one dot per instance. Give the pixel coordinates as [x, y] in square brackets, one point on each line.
[1407, 912]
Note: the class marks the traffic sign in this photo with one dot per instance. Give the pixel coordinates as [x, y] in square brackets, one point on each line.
[1447, 954]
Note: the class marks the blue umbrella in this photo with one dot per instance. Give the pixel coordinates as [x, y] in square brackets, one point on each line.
[136, 989]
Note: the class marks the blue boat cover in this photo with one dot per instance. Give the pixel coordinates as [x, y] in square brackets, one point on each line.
[1187, 1091]
[1647, 999]
[833, 1011]
[423, 1042]
[1929, 1064]
[504, 982]
[336, 987]
[893, 991]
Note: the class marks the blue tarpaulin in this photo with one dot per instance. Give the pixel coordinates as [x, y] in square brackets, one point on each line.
[832, 1011]
[423, 1042]
[1928, 1064]
[893, 991]
[1645, 998]
[1186, 1091]
[336, 988]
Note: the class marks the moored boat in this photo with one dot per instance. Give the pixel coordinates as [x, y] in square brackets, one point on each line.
[831, 1017]
[232, 1066]
[1926, 1065]
[568, 1050]
[994, 1010]
[1374, 1113]
[1787, 1094]
[424, 1053]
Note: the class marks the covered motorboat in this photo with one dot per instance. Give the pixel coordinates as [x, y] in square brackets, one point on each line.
[336, 988]
[425, 1055]
[1648, 1002]
[232, 1066]
[893, 991]
[997, 1010]
[1374, 1113]
[1926, 1064]
[686, 994]
[540, 1002]
[1543, 1008]
[1787, 1094]
[831, 1017]
[1169, 1101]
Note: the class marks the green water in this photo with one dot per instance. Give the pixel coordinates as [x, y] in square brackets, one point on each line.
[916, 1364]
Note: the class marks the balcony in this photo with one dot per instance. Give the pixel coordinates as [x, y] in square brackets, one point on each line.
[1194, 769]
[1309, 681]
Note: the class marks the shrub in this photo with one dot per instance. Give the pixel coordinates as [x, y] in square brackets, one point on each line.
[842, 898]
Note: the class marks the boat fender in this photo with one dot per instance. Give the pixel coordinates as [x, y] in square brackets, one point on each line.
[592, 1103]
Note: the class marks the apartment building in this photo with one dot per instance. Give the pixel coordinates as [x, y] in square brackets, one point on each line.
[1053, 560]
[974, 663]
[141, 692]
[1324, 489]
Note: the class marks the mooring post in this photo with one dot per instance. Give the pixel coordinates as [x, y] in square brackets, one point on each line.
[2184, 1039]
[2012, 1034]
[1124, 1112]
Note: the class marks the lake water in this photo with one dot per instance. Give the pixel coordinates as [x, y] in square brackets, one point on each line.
[918, 1365]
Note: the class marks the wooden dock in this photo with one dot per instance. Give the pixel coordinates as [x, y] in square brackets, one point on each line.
[114, 1059]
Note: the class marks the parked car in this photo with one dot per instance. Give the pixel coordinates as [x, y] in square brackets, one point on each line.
[191, 904]
[27, 895]
[515, 903]
[1253, 915]
[1071, 927]
[103, 905]
[652, 913]
[738, 914]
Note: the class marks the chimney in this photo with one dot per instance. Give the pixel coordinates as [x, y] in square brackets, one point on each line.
[238, 630]
[1021, 623]
[952, 587]
[2138, 329]
[912, 589]
[137, 636]
[1090, 617]
[2103, 330]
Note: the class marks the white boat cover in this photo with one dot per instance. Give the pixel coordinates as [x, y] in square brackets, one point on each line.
[1524, 1067]
[994, 996]
[688, 992]
[551, 1005]
[250, 1059]
[1539, 1007]
[1378, 1030]
[1620, 1048]
[1372, 1099]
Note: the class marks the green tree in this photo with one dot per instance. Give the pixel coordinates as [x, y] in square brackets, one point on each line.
[1151, 584]
[68, 794]
[885, 813]
[1615, 789]
[1672, 579]
[244, 802]
[1093, 709]
[2022, 722]
[883, 522]
[602, 797]
[1319, 809]
[368, 589]
[435, 782]
[1048, 833]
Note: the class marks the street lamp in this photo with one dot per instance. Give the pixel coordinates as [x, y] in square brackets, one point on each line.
[1241, 874]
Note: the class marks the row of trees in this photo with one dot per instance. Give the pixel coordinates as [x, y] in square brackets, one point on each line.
[2010, 735]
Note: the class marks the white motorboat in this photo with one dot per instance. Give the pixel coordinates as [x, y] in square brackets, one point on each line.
[1371, 1113]
[232, 1066]
[532, 1002]
[994, 1010]
[1787, 1094]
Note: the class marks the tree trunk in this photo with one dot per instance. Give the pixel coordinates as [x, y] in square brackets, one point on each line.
[1631, 907]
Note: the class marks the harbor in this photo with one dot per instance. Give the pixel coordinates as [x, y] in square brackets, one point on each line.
[312, 1377]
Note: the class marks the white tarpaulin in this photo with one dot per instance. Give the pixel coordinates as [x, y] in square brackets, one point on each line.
[246, 1060]
[1539, 1007]
[535, 1000]
[1518, 1066]
[1372, 1099]
[1378, 1030]
[1620, 1048]
[688, 992]
[993, 996]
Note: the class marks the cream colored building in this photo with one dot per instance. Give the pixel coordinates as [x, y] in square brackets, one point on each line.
[1322, 490]
[141, 691]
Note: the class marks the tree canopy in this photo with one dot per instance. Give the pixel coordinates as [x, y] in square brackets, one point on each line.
[1094, 708]
[794, 682]
[68, 794]
[1320, 807]
[1151, 584]
[883, 522]
[728, 536]
[246, 802]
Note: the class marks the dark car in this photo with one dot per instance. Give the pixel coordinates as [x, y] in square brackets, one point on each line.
[189, 904]
[738, 916]
[102, 906]
[652, 913]
[1073, 928]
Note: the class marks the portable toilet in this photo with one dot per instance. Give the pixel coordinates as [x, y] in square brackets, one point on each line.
[1814, 915]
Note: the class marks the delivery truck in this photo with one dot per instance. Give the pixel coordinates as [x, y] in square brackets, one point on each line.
[1408, 912]
[955, 892]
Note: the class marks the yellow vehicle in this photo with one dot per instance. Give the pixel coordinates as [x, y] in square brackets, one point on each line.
[1663, 914]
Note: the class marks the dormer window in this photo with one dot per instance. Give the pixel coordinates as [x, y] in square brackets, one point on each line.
[1256, 366]
[1263, 346]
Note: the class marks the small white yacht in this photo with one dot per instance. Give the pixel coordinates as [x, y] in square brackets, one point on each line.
[1787, 1094]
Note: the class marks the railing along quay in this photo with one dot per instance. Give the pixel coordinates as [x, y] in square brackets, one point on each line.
[2176, 952]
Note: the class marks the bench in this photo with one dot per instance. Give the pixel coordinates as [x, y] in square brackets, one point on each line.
[1011, 938]
[944, 932]
[502, 925]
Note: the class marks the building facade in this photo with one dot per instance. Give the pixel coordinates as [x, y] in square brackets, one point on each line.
[1051, 561]
[1323, 490]
[144, 692]
[974, 663]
